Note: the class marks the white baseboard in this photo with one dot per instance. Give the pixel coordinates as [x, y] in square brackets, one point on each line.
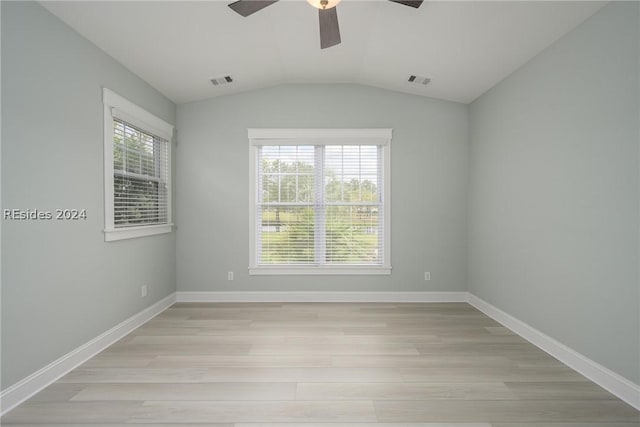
[604, 377]
[337, 296]
[27, 387]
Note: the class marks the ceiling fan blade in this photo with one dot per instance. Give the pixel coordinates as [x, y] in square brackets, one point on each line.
[329, 29]
[248, 7]
[412, 3]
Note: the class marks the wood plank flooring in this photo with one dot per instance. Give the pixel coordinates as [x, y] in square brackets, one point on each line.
[323, 365]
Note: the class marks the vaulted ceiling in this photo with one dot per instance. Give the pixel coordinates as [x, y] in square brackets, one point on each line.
[464, 47]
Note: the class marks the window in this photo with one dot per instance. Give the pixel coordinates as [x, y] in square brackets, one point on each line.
[320, 201]
[137, 152]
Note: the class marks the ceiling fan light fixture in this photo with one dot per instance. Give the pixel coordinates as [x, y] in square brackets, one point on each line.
[327, 15]
[323, 4]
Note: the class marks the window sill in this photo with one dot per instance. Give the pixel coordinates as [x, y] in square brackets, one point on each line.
[318, 271]
[133, 232]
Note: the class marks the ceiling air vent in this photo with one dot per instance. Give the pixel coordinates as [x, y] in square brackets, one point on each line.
[217, 81]
[419, 80]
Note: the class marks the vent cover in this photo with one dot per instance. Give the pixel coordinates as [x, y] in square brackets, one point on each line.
[221, 80]
[419, 80]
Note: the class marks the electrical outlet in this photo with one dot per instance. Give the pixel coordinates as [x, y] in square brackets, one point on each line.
[230, 275]
[427, 275]
[143, 291]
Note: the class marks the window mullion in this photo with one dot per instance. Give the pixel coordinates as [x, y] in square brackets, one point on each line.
[319, 207]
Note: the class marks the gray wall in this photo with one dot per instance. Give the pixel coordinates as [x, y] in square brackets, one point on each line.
[62, 285]
[554, 191]
[428, 179]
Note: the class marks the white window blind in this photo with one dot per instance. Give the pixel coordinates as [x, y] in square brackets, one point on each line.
[140, 172]
[137, 167]
[320, 205]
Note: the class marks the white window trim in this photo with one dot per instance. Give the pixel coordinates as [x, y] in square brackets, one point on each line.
[259, 136]
[117, 106]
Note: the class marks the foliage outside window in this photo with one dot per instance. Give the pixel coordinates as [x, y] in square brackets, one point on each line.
[320, 207]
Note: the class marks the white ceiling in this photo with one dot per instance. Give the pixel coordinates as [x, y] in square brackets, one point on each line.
[465, 47]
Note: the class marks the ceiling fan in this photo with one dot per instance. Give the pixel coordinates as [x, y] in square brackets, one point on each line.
[328, 16]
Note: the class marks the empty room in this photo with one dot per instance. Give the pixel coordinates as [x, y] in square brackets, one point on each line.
[321, 213]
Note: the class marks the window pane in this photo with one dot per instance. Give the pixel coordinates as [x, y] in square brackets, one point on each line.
[118, 146]
[140, 163]
[287, 235]
[353, 235]
[270, 188]
[137, 201]
[147, 157]
[287, 174]
[351, 173]
[132, 149]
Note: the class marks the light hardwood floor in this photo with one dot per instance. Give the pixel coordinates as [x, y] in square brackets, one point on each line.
[323, 365]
